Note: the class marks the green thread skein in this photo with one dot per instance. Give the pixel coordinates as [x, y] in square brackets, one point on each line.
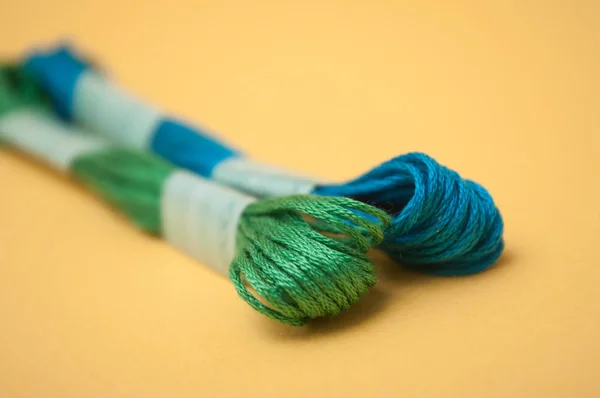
[298, 271]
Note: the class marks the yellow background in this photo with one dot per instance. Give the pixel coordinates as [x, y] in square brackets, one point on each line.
[506, 93]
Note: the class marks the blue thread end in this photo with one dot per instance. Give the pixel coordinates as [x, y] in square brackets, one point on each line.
[441, 223]
[57, 72]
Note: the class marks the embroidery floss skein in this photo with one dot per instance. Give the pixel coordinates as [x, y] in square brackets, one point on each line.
[442, 224]
[262, 244]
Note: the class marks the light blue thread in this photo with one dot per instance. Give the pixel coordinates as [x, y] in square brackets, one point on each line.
[442, 224]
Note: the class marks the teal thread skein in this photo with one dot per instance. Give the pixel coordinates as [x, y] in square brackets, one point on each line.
[301, 273]
[441, 223]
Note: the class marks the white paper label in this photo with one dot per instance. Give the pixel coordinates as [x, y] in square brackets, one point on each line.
[41, 135]
[201, 218]
[104, 108]
[261, 180]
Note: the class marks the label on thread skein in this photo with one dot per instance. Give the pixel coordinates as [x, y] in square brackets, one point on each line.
[260, 179]
[201, 218]
[104, 107]
[39, 134]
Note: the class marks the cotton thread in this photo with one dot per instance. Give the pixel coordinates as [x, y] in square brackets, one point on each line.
[301, 273]
[441, 223]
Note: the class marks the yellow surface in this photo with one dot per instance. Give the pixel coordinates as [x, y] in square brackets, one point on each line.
[506, 93]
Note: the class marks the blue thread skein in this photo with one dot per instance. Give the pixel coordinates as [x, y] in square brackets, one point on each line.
[442, 223]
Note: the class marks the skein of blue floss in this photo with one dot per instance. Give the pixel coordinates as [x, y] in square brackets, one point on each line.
[442, 224]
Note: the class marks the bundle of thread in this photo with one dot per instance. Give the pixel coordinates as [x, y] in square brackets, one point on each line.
[442, 224]
[265, 246]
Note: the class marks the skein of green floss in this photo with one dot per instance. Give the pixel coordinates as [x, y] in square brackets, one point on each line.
[299, 272]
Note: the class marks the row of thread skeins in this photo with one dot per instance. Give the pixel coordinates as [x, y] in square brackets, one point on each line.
[441, 223]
